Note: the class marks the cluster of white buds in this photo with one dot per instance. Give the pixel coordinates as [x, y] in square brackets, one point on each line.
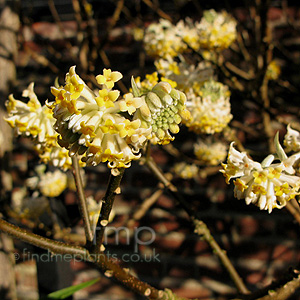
[162, 110]
[209, 107]
[34, 120]
[268, 185]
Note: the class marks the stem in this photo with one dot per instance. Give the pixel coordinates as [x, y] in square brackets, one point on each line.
[284, 292]
[82, 200]
[203, 229]
[142, 210]
[293, 210]
[107, 203]
[42, 242]
[106, 264]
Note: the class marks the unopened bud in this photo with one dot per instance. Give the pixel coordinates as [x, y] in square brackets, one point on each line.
[154, 99]
[163, 87]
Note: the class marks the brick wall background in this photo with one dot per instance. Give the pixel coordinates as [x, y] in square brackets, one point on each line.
[261, 246]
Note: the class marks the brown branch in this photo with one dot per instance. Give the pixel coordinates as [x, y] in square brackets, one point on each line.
[144, 207]
[107, 203]
[106, 264]
[200, 225]
[41, 242]
[293, 210]
[202, 229]
[161, 13]
[82, 200]
[284, 292]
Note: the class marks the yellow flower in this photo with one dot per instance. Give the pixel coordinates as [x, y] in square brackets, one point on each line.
[209, 108]
[52, 184]
[292, 139]
[92, 125]
[268, 185]
[37, 121]
[106, 98]
[273, 70]
[109, 78]
[130, 103]
[161, 40]
[217, 31]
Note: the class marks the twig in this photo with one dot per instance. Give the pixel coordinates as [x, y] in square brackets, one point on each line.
[42, 242]
[242, 46]
[293, 211]
[161, 13]
[141, 211]
[202, 230]
[193, 215]
[42, 60]
[82, 200]
[106, 264]
[56, 17]
[284, 292]
[107, 203]
[239, 72]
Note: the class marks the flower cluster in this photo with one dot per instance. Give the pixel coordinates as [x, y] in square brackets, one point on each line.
[34, 120]
[268, 185]
[93, 125]
[209, 108]
[90, 123]
[186, 171]
[162, 109]
[217, 31]
[209, 152]
[161, 39]
[25, 207]
[50, 184]
[187, 77]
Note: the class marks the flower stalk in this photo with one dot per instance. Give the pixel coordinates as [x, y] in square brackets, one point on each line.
[107, 203]
[82, 203]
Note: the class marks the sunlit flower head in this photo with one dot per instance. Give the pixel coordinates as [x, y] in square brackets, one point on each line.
[31, 118]
[217, 30]
[209, 107]
[36, 121]
[188, 33]
[161, 40]
[209, 152]
[268, 185]
[50, 184]
[292, 140]
[90, 123]
[185, 171]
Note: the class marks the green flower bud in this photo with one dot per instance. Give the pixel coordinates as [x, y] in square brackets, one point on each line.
[154, 99]
[160, 133]
[162, 86]
[175, 94]
[174, 128]
[177, 119]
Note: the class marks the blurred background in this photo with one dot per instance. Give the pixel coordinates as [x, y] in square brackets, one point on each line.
[39, 42]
